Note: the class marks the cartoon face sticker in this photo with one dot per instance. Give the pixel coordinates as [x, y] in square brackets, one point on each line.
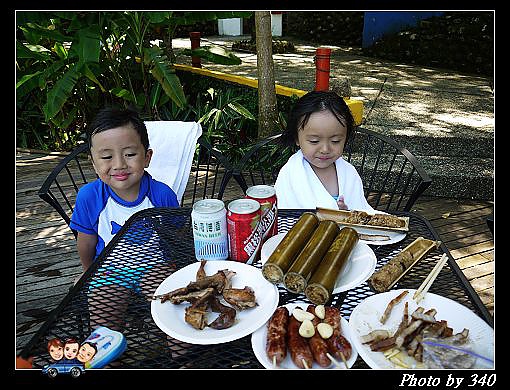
[71, 348]
[86, 352]
[56, 349]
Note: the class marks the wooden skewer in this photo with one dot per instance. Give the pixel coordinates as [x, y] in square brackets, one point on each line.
[304, 364]
[344, 360]
[333, 360]
[424, 287]
[274, 361]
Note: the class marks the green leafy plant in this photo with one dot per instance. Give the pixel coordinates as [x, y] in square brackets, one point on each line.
[70, 64]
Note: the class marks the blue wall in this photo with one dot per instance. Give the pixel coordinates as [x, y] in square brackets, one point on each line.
[377, 24]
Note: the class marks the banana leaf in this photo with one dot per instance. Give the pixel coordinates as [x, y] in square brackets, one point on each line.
[60, 92]
[161, 70]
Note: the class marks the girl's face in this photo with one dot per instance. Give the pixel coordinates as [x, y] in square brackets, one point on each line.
[322, 139]
[119, 159]
[56, 352]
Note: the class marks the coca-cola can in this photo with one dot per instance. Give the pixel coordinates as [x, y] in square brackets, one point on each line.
[243, 228]
[266, 196]
[209, 221]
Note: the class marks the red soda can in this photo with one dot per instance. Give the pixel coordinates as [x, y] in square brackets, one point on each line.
[266, 196]
[243, 228]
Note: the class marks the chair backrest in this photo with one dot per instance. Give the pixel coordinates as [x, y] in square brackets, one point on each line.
[210, 173]
[393, 179]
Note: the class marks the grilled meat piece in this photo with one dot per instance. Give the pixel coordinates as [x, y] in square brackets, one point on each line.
[240, 298]
[192, 297]
[227, 314]
[196, 315]
[201, 271]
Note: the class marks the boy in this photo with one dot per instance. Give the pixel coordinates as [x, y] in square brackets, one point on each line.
[119, 147]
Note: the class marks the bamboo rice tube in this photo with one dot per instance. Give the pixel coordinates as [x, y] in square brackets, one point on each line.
[310, 256]
[323, 280]
[287, 250]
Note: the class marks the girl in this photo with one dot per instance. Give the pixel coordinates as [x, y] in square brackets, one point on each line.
[320, 124]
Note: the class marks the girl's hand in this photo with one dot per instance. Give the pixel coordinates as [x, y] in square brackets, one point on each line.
[341, 204]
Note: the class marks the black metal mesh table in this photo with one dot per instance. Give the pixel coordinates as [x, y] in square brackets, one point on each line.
[155, 242]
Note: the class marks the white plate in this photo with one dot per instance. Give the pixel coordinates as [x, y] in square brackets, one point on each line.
[393, 235]
[365, 318]
[170, 317]
[359, 266]
[258, 343]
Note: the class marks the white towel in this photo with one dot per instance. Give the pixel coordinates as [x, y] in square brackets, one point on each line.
[173, 144]
[298, 187]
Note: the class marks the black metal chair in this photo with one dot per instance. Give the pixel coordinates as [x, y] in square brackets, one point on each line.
[210, 173]
[393, 179]
[490, 223]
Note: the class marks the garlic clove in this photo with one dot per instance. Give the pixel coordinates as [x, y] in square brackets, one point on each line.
[320, 311]
[325, 330]
[306, 329]
[301, 315]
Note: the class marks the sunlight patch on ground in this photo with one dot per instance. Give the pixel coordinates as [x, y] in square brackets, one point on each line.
[466, 119]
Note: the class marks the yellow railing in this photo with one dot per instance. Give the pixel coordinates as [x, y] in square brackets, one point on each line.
[356, 106]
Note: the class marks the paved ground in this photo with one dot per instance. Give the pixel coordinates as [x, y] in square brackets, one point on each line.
[443, 117]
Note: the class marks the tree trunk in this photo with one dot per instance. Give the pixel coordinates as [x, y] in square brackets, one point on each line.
[268, 114]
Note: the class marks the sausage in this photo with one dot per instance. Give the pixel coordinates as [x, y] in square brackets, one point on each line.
[337, 344]
[310, 256]
[298, 346]
[286, 251]
[276, 342]
[318, 345]
[323, 280]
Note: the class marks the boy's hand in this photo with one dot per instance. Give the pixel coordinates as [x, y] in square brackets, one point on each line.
[341, 204]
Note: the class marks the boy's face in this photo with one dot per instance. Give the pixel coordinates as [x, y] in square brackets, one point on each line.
[322, 139]
[119, 160]
[71, 350]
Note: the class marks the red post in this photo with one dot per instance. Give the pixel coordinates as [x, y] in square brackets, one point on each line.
[195, 44]
[322, 67]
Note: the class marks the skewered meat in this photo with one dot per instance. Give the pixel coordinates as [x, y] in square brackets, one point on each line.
[240, 298]
[338, 345]
[298, 346]
[318, 345]
[276, 340]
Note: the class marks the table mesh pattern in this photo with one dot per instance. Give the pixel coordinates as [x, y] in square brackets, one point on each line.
[116, 292]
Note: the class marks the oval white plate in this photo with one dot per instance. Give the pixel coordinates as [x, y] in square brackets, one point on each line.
[365, 318]
[170, 318]
[258, 343]
[359, 266]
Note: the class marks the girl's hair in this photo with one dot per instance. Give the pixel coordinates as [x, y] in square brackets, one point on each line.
[316, 101]
[55, 342]
[110, 118]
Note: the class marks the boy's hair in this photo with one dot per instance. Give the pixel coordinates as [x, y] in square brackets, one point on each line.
[316, 101]
[110, 118]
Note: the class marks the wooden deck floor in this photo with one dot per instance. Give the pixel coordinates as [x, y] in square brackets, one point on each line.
[47, 262]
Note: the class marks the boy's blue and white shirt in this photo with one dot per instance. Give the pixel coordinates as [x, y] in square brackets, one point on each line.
[100, 211]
